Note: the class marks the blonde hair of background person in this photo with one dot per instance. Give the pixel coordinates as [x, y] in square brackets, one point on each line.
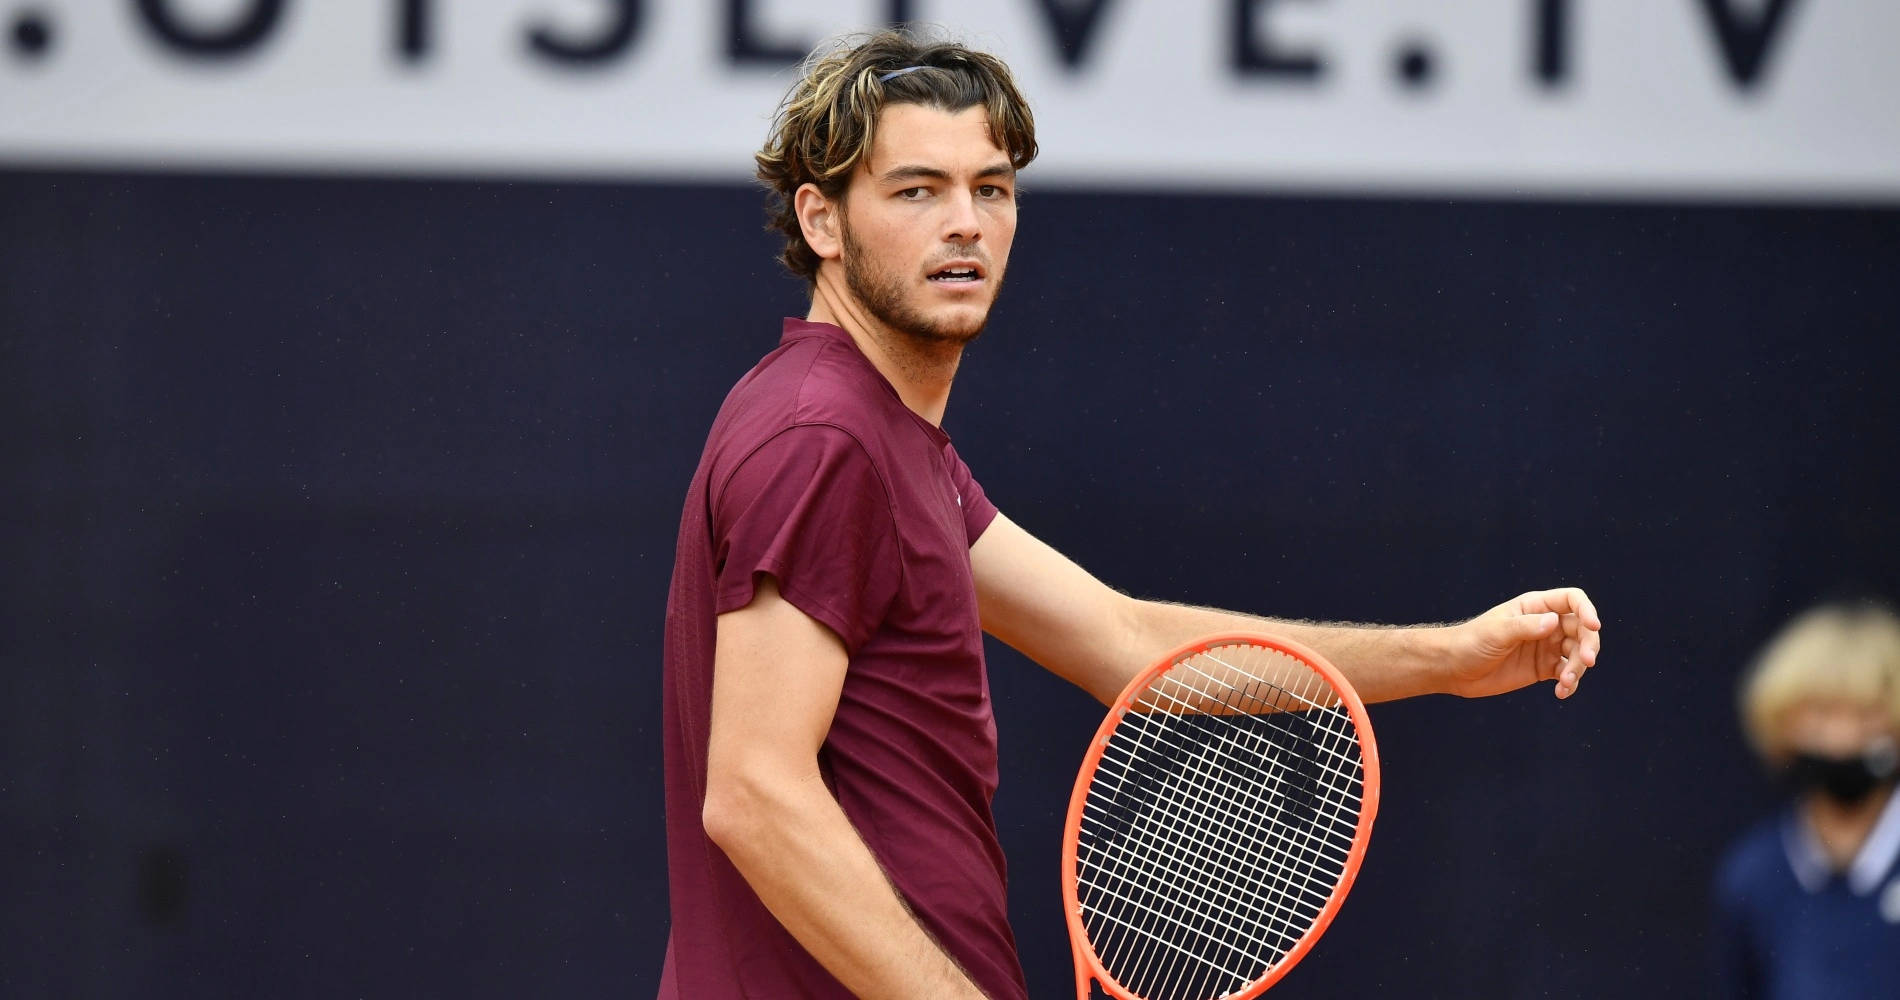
[1845, 654]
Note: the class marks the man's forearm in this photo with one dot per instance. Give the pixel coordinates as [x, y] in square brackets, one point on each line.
[807, 863]
[1382, 662]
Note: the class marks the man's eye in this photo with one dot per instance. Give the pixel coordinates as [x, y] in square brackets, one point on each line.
[911, 194]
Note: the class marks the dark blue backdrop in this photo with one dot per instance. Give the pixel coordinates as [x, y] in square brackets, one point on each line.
[339, 513]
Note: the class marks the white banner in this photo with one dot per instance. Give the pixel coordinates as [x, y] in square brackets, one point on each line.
[1777, 99]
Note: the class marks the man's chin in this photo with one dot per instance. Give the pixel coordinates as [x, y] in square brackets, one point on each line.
[959, 326]
[956, 334]
[937, 336]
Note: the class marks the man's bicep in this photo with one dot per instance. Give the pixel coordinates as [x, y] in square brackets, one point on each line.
[777, 674]
[1050, 609]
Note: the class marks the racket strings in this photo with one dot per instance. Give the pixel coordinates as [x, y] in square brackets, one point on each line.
[1244, 926]
[1247, 926]
[1227, 822]
[1143, 927]
[1272, 864]
[1235, 821]
[1247, 929]
[1198, 745]
[1276, 867]
[1153, 860]
[1342, 760]
[1218, 823]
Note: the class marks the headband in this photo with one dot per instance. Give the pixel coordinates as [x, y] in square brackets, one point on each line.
[894, 74]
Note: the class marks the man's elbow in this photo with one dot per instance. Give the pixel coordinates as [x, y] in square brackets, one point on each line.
[744, 804]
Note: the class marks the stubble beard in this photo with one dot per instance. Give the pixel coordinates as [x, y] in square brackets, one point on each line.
[882, 294]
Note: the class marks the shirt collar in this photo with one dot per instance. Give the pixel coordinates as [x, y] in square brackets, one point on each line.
[799, 329]
[1877, 855]
[1871, 863]
[1805, 855]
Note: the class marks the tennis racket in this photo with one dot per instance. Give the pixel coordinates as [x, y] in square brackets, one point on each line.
[1218, 821]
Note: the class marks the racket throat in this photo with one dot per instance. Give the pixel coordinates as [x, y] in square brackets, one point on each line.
[1084, 976]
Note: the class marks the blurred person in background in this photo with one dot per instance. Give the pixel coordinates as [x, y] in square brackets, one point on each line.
[1807, 903]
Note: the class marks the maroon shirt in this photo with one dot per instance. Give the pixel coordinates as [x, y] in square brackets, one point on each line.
[816, 473]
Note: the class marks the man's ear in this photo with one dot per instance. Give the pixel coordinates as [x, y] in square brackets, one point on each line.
[820, 218]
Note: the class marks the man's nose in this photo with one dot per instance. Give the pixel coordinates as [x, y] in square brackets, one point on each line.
[961, 223]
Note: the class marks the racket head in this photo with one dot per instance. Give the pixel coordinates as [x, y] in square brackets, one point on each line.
[1186, 904]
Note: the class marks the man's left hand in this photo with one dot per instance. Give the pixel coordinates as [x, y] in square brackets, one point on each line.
[1539, 636]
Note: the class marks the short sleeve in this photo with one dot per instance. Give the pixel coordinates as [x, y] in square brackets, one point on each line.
[809, 508]
[978, 511]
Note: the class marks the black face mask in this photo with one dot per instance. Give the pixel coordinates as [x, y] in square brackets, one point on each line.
[1846, 780]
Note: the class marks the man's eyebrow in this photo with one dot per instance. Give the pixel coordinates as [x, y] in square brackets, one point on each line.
[914, 172]
[910, 172]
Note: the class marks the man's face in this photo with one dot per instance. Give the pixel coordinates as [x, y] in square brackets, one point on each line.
[928, 223]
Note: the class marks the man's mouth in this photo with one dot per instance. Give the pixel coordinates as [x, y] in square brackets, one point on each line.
[950, 275]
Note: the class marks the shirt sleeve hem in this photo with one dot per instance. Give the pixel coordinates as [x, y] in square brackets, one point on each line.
[740, 594]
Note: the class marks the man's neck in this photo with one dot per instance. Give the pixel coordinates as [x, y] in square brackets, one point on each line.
[920, 372]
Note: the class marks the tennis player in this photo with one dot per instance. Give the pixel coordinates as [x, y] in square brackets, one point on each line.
[830, 747]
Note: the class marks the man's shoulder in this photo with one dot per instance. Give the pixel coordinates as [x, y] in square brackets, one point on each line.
[806, 387]
[809, 381]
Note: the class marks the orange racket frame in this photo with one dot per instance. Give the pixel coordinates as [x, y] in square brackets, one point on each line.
[1088, 967]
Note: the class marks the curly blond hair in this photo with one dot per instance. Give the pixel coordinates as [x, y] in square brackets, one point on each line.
[826, 123]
